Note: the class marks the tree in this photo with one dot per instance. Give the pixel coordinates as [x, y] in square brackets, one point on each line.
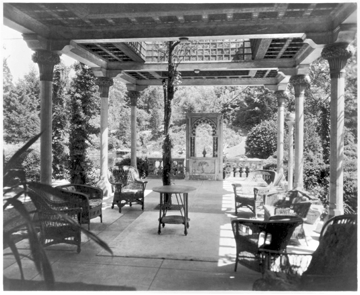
[21, 107]
[85, 105]
[60, 122]
[256, 104]
[174, 56]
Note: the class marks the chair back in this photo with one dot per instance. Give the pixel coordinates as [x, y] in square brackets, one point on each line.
[44, 196]
[124, 174]
[336, 255]
[267, 175]
[271, 235]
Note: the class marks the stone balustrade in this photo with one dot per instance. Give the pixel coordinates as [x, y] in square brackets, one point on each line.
[238, 167]
[155, 166]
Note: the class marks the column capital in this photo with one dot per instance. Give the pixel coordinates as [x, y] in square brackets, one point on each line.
[337, 55]
[134, 87]
[133, 95]
[104, 84]
[300, 80]
[337, 50]
[281, 96]
[46, 61]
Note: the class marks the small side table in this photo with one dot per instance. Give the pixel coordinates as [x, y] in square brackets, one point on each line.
[181, 193]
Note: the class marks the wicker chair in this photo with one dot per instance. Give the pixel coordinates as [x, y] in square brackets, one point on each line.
[249, 194]
[54, 228]
[332, 267]
[127, 186]
[90, 199]
[293, 203]
[265, 177]
[258, 241]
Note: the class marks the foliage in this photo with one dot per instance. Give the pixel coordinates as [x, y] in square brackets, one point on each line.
[257, 104]
[21, 107]
[13, 179]
[60, 123]
[29, 161]
[141, 165]
[174, 54]
[262, 140]
[84, 107]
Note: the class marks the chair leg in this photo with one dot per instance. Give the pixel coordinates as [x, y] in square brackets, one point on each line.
[89, 224]
[101, 218]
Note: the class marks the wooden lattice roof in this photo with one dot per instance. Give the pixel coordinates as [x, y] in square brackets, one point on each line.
[235, 44]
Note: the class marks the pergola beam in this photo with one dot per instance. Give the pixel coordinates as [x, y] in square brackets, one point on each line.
[211, 66]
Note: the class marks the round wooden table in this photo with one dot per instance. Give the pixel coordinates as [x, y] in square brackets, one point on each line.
[181, 193]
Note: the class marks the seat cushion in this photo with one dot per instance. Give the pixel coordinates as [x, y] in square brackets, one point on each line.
[95, 203]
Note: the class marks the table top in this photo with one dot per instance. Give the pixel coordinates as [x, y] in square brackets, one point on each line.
[176, 189]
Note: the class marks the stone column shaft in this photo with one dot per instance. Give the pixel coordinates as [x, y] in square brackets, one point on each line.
[281, 96]
[299, 83]
[46, 61]
[337, 55]
[291, 154]
[134, 95]
[104, 84]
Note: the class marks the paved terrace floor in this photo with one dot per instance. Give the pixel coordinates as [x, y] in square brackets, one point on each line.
[145, 261]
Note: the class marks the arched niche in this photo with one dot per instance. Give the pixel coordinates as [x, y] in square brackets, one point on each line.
[207, 166]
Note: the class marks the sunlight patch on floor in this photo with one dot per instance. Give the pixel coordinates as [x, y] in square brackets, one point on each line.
[227, 247]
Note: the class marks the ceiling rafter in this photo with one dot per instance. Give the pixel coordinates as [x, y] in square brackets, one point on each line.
[286, 45]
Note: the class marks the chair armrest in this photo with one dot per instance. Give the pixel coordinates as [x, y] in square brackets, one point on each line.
[91, 191]
[271, 198]
[302, 208]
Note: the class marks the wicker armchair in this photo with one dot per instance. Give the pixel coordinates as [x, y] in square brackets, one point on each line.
[332, 267]
[127, 186]
[257, 177]
[54, 228]
[258, 241]
[250, 194]
[89, 198]
[294, 202]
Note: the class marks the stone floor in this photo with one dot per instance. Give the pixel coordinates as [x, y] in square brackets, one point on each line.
[90, 271]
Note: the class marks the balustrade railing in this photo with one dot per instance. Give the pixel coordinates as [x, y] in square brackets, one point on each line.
[155, 166]
[139, 48]
[235, 167]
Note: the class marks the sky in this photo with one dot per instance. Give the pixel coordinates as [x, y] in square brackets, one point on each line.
[18, 54]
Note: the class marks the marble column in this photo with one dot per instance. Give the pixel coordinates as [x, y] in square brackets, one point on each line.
[299, 82]
[337, 55]
[104, 84]
[46, 61]
[134, 95]
[290, 122]
[281, 97]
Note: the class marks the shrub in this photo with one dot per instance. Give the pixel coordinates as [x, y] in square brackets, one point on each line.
[261, 141]
[142, 165]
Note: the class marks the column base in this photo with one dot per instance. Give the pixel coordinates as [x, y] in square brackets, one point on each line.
[105, 185]
[334, 212]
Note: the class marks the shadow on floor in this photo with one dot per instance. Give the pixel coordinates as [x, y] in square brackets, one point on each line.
[26, 285]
